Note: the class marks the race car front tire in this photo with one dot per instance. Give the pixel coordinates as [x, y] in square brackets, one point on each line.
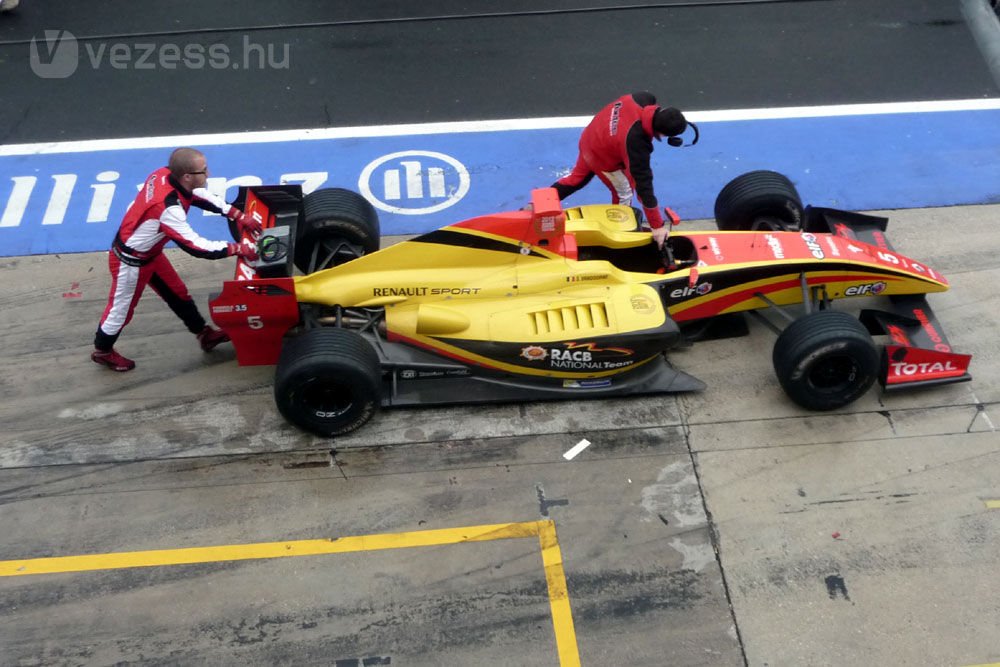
[339, 225]
[825, 360]
[328, 381]
[764, 200]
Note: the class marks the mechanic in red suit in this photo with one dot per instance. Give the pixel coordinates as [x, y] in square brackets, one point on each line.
[616, 146]
[159, 215]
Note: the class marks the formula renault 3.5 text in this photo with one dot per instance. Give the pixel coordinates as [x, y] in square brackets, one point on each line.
[552, 303]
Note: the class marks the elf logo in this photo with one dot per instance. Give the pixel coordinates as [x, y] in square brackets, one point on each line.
[869, 289]
[813, 246]
[700, 289]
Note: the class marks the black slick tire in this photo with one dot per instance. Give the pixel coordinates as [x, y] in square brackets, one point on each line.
[338, 225]
[328, 381]
[761, 199]
[825, 360]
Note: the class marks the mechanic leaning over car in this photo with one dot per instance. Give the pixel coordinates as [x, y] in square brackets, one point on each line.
[159, 215]
[616, 146]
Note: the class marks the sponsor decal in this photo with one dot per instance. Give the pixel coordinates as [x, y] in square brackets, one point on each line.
[534, 353]
[584, 277]
[814, 248]
[832, 245]
[898, 336]
[775, 245]
[880, 240]
[868, 289]
[399, 291]
[932, 332]
[616, 112]
[922, 368]
[587, 384]
[854, 248]
[425, 291]
[414, 182]
[547, 223]
[616, 215]
[70, 199]
[412, 374]
[580, 356]
[244, 271]
[642, 304]
[701, 289]
[840, 229]
[713, 243]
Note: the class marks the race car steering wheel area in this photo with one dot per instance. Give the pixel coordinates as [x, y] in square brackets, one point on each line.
[678, 252]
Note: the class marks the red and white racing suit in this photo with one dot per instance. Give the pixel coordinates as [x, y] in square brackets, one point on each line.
[157, 216]
[616, 146]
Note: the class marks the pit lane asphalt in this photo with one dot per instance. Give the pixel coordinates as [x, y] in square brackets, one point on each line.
[703, 56]
[726, 527]
[721, 528]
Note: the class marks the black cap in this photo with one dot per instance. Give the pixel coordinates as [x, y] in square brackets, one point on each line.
[669, 121]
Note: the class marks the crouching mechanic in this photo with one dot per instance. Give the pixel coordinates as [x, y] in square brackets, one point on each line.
[159, 215]
[616, 146]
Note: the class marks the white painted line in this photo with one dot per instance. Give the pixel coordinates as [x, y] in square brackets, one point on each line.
[576, 449]
[501, 125]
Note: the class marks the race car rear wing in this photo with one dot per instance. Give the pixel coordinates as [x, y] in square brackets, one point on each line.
[918, 353]
[278, 208]
[258, 306]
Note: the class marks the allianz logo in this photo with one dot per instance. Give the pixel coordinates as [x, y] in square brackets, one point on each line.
[61, 193]
[414, 182]
[411, 182]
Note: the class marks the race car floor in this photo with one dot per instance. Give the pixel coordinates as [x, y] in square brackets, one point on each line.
[721, 528]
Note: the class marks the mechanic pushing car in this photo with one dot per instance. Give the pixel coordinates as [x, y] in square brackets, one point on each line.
[159, 215]
[616, 146]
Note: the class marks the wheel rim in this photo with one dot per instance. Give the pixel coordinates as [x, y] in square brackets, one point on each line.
[834, 374]
[325, 399]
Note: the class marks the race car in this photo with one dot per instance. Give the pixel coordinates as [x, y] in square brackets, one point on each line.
[551, 303]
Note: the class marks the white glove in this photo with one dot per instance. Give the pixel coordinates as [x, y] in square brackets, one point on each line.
[211, 198]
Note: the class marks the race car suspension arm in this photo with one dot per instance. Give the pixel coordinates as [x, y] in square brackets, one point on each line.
[812, 297]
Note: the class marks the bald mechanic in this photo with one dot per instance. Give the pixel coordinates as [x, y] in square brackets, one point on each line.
[616, 146]
[159, 215]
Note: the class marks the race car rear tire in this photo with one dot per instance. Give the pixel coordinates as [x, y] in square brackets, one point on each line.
[825, 360]
[339, 225]
[759, 200]
[328, 381]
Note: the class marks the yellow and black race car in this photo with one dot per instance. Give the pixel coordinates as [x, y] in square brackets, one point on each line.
[551, 303]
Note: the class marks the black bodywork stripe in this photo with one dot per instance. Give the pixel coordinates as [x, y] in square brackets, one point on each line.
[464, 240]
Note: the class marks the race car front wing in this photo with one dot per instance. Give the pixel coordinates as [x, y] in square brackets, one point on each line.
[918, 353]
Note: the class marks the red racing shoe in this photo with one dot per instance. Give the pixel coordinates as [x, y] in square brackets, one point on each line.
[209, 338]
[112, 360]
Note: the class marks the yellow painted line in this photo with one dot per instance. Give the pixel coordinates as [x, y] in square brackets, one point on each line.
[992, 664]
[231, 552]
[555, 578]
[993, 505]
